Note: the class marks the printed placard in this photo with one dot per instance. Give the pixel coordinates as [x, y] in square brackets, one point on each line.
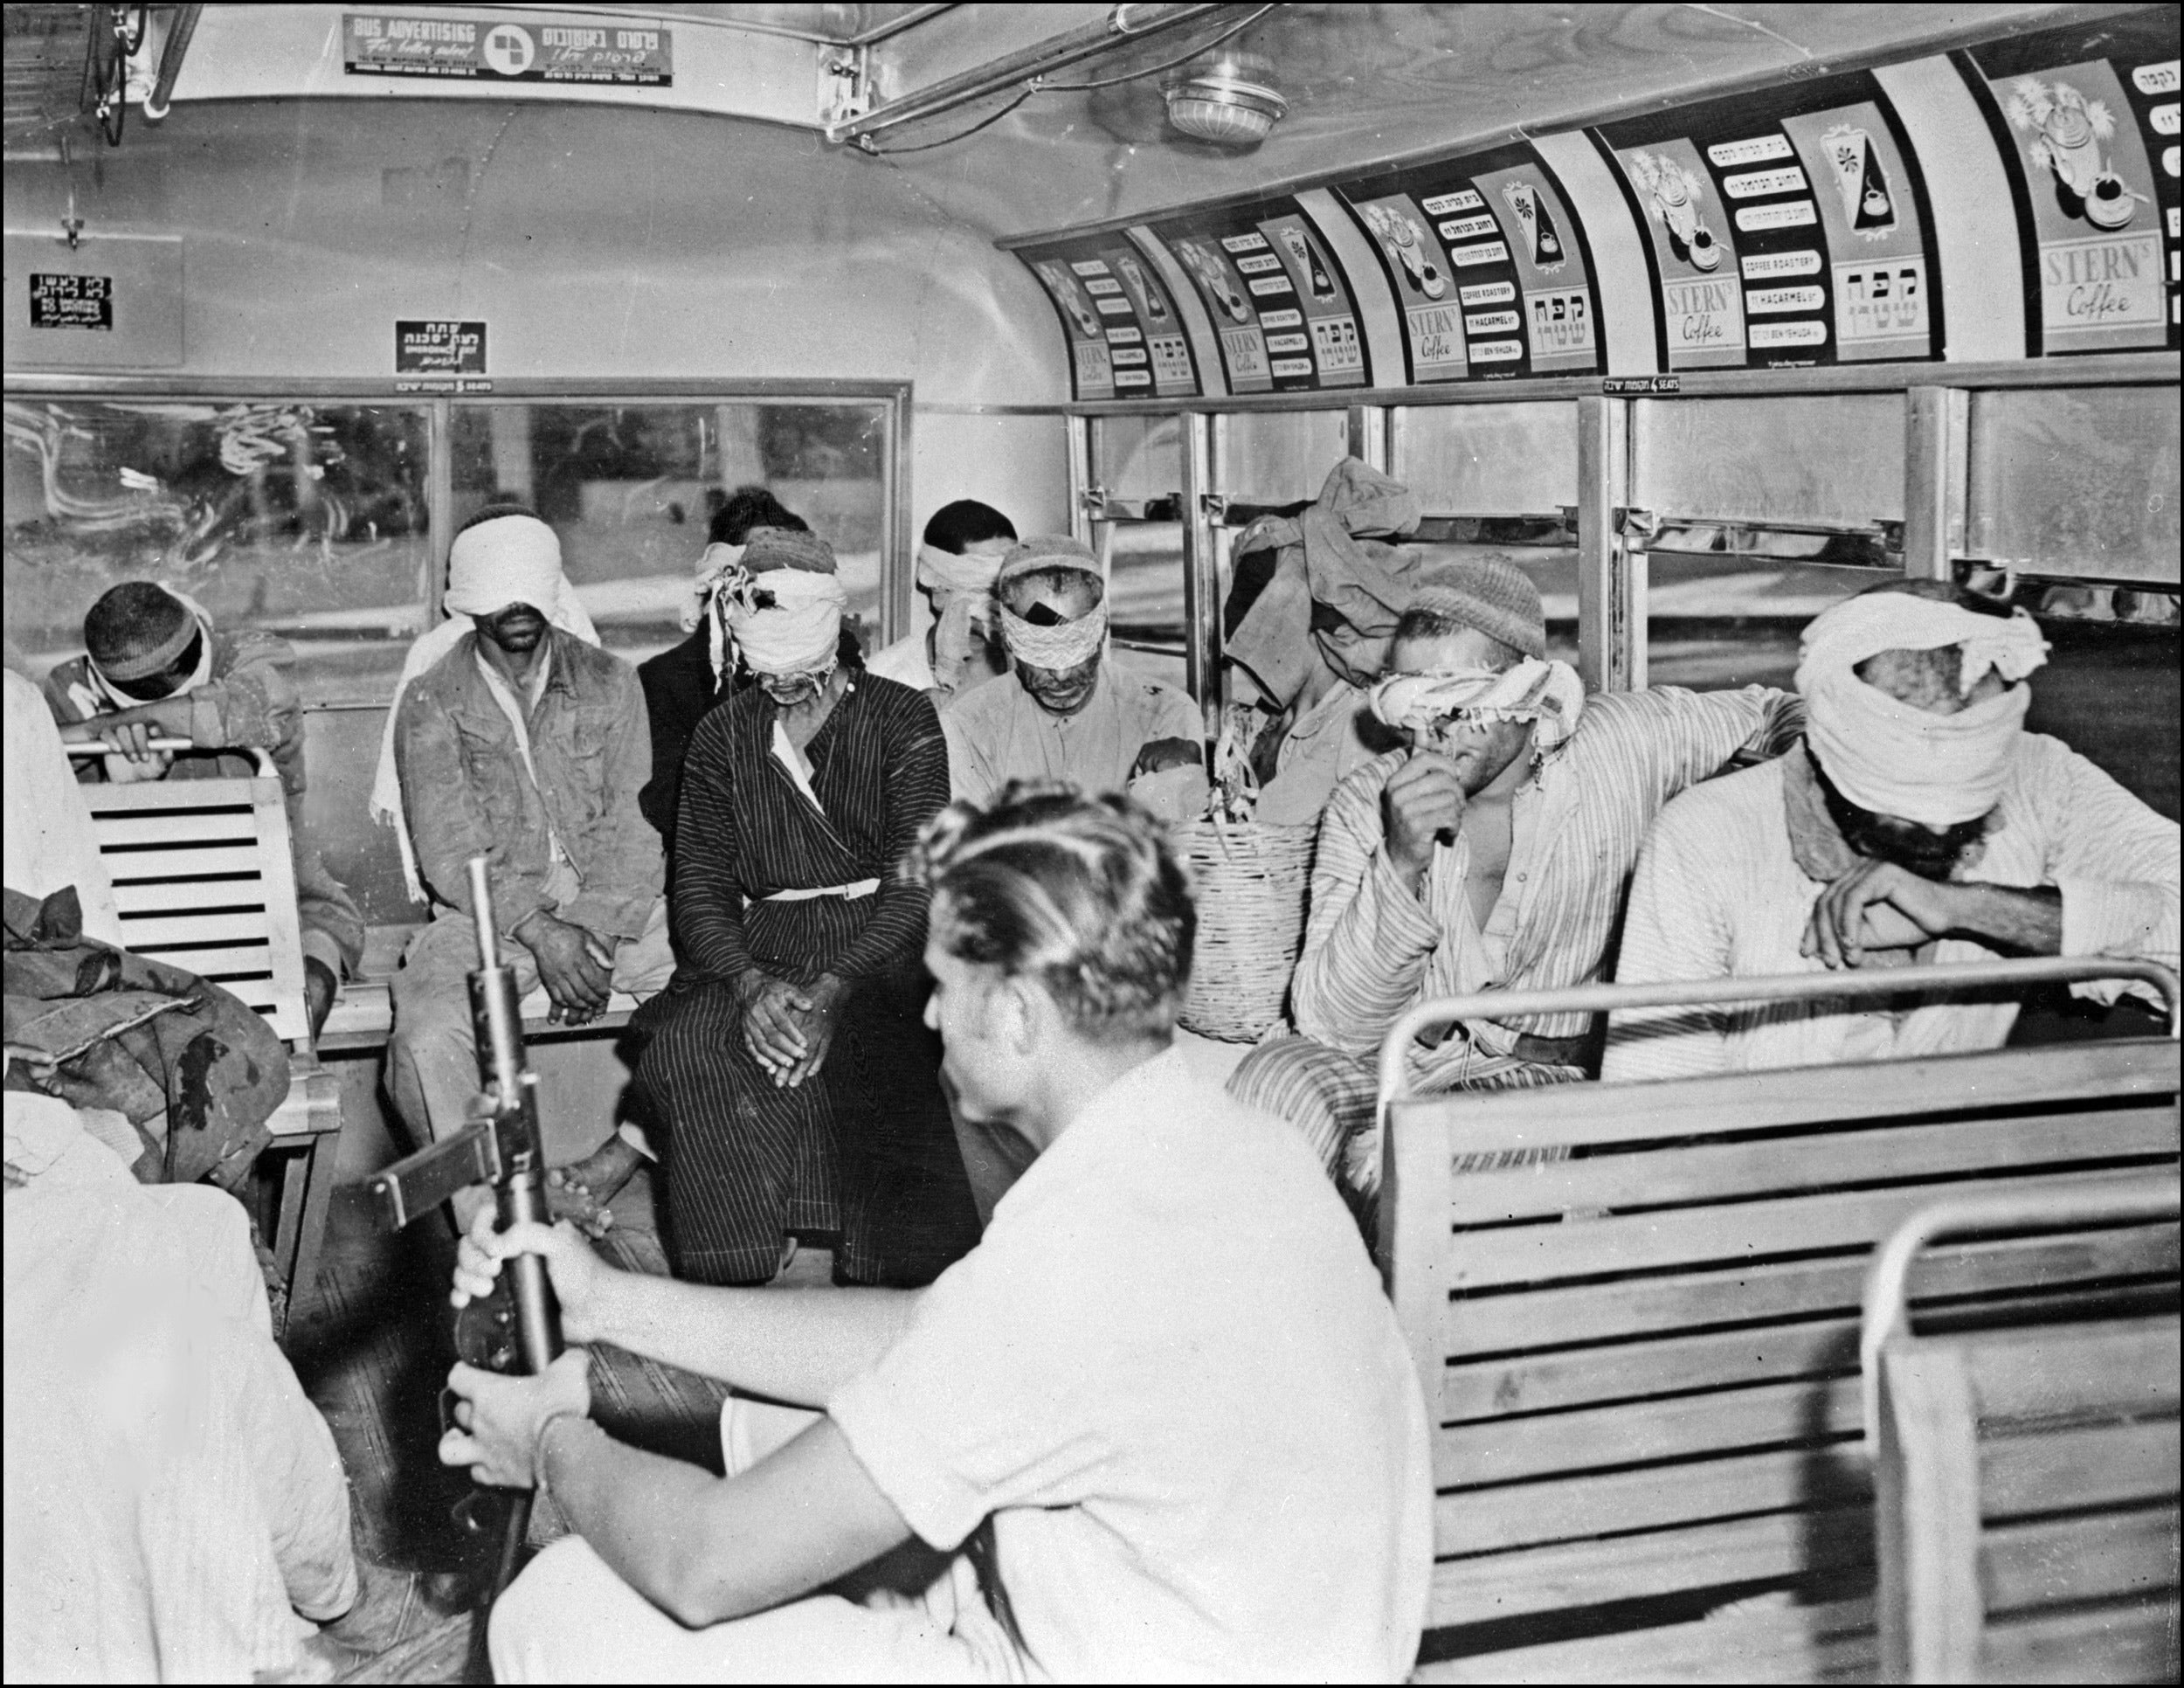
[437, 346]
[2089, 111]
[1124, 331]
[1280, 302]
[1480, 251]
[1756, 202]
[506, 50]
[71, 301]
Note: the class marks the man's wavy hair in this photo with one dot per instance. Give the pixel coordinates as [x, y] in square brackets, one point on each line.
[1079, 895]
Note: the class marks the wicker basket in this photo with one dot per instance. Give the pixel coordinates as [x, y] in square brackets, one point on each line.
[1252, 881]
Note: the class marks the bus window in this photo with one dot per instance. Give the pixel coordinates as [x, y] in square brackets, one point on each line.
[1137, 461]
[1277, 457]
[631, 488]
[1488, 459]
[307, 520]
[1766, 512]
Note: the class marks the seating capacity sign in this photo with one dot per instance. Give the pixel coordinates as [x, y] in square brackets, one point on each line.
[2090, 115]
[1787, 227]
[489, 49]
[1280, 302]
[1487, 265]
[435, 347]
[71, 301]
[1125, 339]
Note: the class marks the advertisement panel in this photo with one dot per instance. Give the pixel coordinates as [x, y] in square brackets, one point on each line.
[1125, 339]
[1786, 227]
[2087, 117]
[1487, 264]
[1280, 302]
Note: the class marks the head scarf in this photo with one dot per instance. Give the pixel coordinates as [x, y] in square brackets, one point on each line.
[97, 693]
[800, 629]
[1895, 759]
[1072, 642]
[1326, 557]
[719, 563]
[511, 559]
[962, 594]
[1549, 694]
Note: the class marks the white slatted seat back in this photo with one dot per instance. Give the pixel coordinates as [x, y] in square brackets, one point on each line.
[1640, 1351]
[205, 882]
[2027, 1475]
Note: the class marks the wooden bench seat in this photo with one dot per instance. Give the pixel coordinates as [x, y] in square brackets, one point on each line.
[2026, 1478]
[203, 881]
[1641, 1354]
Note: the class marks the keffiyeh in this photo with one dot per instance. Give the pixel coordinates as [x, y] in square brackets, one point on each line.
[1550, 695]
[1895, 759]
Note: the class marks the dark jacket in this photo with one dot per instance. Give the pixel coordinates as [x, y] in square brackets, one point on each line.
[678, 690]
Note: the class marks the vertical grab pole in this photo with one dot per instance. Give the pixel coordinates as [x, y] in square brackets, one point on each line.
[1936, 466]
[1201, 570]
[1611, 574]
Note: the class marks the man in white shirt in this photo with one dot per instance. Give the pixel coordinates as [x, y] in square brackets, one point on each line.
[1067, 713]
[1159, 1423]
[956, 565]
[1918, 822]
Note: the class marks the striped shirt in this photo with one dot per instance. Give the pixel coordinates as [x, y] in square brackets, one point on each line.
[879, 772]
[1718, 894]
[1373, 947]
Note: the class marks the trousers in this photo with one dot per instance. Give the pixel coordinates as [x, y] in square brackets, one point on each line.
[433, 1052]
[570, 1618]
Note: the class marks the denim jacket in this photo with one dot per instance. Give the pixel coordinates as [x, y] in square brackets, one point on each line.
[467, 793]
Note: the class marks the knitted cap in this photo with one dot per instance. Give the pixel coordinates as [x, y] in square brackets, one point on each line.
[1492, 594]
[137, 629]
[784, 548]
[1048, 550]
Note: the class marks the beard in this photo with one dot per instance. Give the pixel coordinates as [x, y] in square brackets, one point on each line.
[1910, 846]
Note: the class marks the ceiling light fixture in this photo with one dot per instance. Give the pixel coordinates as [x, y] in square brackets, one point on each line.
[1230, 98]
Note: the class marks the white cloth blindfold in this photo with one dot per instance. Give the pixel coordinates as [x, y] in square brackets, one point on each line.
[1057, 648]
[799, 632]
[1894, 759]
[1548, 694]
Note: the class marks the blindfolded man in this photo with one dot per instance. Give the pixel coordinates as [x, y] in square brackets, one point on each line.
[514, 738]
[1492, 853]
[1918, 822]
[957, 566]
[155, 666]
[1068, 714]
[799, 1089]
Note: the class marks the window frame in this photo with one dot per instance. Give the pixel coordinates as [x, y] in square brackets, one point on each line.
[434, 397]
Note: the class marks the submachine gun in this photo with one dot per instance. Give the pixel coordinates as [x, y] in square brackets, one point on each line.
[519, 1328]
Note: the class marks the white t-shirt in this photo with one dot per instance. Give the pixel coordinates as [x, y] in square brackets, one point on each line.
[1169, 1375]
[907, 662]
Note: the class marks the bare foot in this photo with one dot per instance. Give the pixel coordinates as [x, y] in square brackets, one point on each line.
[580, 1190]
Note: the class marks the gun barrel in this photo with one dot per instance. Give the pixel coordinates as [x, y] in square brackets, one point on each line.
[481, 912]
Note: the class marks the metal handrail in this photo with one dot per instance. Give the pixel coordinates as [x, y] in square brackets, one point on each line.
[1886, 1308]
[262, 756]
[1777, 987]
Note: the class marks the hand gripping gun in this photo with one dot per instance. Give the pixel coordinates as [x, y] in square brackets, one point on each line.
[502, 1148]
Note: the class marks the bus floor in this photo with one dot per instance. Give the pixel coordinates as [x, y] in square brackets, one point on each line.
[372, 1345]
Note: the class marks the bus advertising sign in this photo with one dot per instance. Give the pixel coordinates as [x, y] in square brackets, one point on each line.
[1281, 305]
[1126, 338]
[1786, 227]
[492, 49]
[439, 348]
[1488, 265]
[71, 301]
[2090, 117]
